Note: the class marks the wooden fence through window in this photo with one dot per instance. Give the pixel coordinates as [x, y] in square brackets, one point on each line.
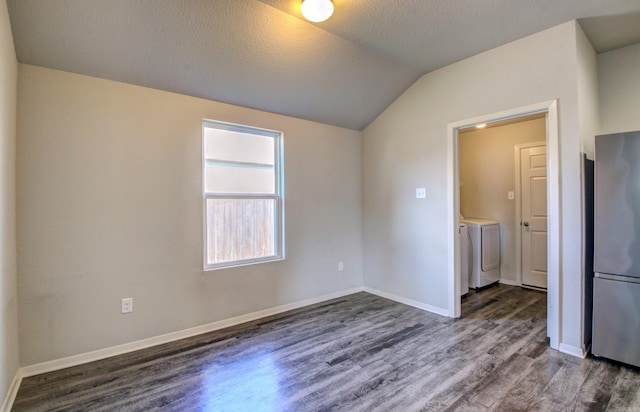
[240, 229]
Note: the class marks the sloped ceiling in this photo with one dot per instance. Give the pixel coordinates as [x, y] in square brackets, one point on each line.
[262, 54]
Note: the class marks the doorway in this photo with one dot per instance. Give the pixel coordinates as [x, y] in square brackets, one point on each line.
[549, 110]
[493, 190]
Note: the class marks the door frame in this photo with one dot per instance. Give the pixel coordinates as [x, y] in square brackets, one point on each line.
[518, 198]
[550, 109]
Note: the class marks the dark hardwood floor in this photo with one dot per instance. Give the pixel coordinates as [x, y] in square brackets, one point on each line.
[357, 353]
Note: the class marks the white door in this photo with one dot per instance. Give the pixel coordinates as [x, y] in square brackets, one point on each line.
[533, 228]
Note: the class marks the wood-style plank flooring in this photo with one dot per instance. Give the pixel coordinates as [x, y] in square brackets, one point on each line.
[357, 353]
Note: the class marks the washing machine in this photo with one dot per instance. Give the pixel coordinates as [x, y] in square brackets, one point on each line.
[465, 258]
[485, 251]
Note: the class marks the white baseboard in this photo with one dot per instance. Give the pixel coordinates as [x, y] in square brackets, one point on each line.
[75, 360]
[572, 350]
[10, 397]
[410, 302]
[509, 282]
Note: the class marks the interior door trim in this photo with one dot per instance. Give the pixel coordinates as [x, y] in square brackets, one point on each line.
[554, 291]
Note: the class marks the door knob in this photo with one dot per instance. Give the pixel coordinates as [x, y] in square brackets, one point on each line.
[525, 224]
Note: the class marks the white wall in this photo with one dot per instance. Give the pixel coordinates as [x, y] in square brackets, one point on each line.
[487, 173]
[619, 80]
[109, 206]
[588, 95]
[8, 283]
[405, 239]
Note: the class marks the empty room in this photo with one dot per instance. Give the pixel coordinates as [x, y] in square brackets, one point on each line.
[345, 205]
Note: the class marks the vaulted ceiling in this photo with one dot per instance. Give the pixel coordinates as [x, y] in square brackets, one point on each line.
[262, 54]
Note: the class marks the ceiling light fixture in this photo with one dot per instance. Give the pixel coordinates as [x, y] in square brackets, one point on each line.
[317, 10]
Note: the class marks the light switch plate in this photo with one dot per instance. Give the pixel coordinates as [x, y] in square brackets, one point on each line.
[421, 193]
[511, 195]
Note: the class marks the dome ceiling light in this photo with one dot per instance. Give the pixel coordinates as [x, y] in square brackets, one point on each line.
[317, 11]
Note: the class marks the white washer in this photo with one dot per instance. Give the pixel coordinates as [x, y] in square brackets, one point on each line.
[464, 259]
[485, 251]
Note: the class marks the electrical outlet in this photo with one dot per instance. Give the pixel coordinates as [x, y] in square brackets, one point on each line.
[340, 266]
[421, 193]
[127, 305]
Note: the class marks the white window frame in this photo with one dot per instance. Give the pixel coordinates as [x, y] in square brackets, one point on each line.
[278, 195]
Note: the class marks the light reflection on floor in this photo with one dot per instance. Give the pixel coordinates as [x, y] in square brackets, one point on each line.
[251, 384]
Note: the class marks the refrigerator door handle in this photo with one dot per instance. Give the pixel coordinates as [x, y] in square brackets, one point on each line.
[627, 279]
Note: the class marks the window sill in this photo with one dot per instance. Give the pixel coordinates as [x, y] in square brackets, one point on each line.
[240, 263]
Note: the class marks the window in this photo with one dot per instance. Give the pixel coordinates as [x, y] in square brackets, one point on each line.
[243, 195]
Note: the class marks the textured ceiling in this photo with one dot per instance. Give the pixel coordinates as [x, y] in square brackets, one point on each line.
[429, 34]
[612, 32]
[261, 54]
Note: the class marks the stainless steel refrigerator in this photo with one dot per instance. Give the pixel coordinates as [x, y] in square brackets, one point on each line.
[616, 288]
